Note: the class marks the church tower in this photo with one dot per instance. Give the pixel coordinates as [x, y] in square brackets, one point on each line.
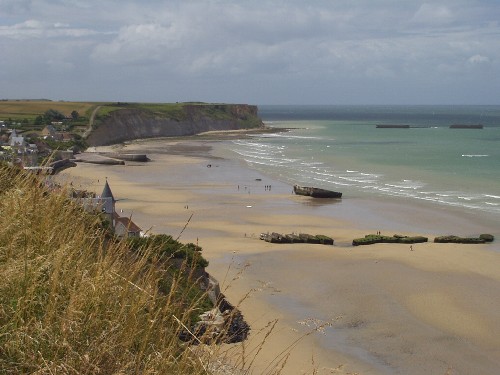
[108, 203]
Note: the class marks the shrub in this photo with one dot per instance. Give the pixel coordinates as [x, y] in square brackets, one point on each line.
[165, 248]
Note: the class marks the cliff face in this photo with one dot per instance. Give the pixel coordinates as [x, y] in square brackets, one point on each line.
[189, 119]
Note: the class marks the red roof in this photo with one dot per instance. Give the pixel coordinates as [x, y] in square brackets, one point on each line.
[127, 223]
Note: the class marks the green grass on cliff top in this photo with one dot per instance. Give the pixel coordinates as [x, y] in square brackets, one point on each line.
[29, 109]
[175, 111]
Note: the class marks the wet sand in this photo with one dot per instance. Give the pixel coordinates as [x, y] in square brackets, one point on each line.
[378, 309]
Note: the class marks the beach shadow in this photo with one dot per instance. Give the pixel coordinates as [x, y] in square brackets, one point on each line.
[319, 202]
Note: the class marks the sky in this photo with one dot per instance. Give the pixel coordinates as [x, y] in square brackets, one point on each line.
[357, 52]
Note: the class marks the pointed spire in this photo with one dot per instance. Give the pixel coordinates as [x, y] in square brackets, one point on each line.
[106, 192]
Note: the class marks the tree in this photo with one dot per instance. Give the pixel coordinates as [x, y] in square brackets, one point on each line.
[39, 120]
[75, 115]
[53, 115]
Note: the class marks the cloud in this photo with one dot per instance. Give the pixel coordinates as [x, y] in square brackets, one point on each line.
[15, 6]
[33, 28]
[433, 14]
[478, 59]
[144, 43]
[216, 47]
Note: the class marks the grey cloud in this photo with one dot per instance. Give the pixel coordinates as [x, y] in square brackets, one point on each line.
[433, 14]
[40, 29]
[14, 7]
[215, 47]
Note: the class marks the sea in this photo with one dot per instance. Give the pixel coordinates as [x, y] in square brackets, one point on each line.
[341, 148]
[426, 178]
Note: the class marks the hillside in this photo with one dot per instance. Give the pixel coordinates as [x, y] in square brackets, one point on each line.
[74, 300]
[103, 123]
[122, 122]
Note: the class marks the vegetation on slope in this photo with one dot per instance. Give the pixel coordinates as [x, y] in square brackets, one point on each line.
[73, 300]
[82, 119]
[181, 112]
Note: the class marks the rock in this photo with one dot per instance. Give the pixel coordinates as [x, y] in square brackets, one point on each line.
[370, 239]
[487, 237]
[457, 239]
[293, 238]
[129, 157]
[307, 238]
[411, 240]
[227, 326]
[60, 165]
[324, 240]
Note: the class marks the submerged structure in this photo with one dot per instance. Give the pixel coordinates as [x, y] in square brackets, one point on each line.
[316, 192]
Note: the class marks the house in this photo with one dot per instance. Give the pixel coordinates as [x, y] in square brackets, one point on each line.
[32, 147]
[16, 140]
[125, 227]
[66, 136]
[49, 131]
[105, 203]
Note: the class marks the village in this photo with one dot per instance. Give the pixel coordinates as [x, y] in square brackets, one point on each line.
[31, 151]
[105, 203]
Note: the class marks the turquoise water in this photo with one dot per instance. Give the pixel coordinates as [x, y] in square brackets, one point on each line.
[340, 148]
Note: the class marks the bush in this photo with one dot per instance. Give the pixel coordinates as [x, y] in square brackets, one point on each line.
[162, 247]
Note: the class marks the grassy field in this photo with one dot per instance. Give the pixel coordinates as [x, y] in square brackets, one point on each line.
[29, 109]
[20, 109]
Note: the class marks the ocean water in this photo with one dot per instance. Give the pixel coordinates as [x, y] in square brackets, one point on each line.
[340, 148]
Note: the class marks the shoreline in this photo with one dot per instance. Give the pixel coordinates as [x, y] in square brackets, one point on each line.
[377, 319]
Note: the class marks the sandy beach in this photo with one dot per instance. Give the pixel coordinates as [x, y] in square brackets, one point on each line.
[378, 309]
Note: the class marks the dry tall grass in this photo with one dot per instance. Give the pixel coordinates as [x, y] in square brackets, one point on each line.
[73, 300]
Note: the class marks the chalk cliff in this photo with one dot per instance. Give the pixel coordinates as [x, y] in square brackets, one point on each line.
[129, 122]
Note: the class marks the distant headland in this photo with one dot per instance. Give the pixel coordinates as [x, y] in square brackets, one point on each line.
[105, 123]
[123, 121]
